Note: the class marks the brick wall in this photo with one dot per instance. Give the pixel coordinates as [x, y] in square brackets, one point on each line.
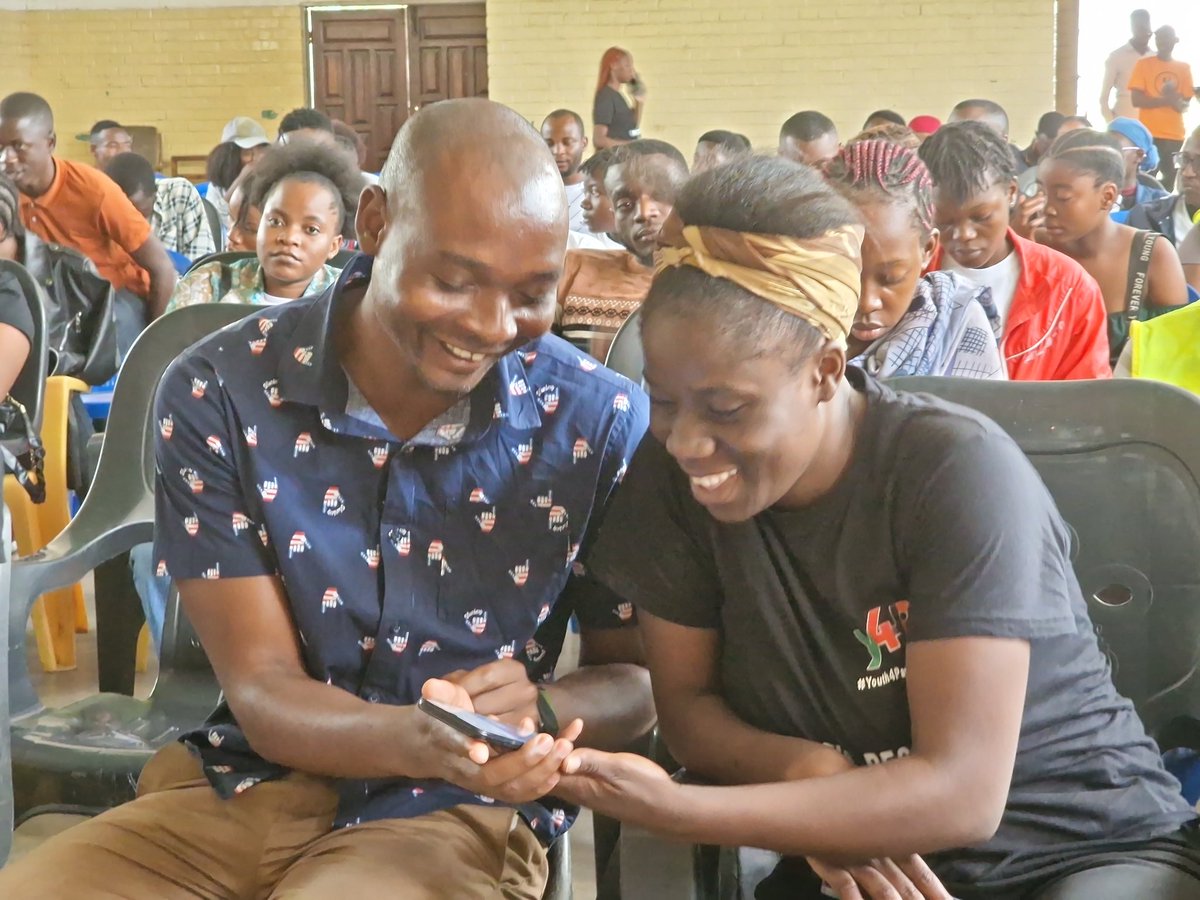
[739, 64]
[746, 65]
[186, 71]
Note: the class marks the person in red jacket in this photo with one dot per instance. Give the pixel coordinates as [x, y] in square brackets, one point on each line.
[1047, 312]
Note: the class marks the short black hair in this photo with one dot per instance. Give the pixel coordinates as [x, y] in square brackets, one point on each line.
[132, 173]
[1140, 14]
[305, 117]
[1081, 120]
[966, 158]
[597, 164]
[888, 115]
[566, 114]
[10, 208]
[24, 105]
[224, 164]
[1050, 123]
[103, 125]
[732, 141]
[317, 163]
[1098, 152]
[993, 109]
[763, 195]
[648, 147]
[807, 126]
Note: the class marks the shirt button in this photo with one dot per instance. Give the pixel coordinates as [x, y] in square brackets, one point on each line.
[373, 697]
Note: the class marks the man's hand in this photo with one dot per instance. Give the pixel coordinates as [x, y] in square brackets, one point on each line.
[882, 879]
[500, 689]
[1029, 215]
[519, 776]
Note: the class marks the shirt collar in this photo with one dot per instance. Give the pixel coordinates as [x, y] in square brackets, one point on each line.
[310, 372]
[47, 199]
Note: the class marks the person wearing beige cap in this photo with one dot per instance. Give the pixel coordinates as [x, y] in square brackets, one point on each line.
[243, 141]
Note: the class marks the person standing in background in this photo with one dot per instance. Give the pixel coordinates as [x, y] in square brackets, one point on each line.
[1162, 88]
[562, 131]
[614, 121]
[1118, 68]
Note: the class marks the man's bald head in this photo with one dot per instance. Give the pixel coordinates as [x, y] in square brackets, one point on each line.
[473, 141]
[29, 107]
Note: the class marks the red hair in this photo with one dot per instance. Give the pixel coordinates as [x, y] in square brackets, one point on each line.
[612, 56]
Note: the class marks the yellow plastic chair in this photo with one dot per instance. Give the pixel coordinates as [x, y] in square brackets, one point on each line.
[59, 614]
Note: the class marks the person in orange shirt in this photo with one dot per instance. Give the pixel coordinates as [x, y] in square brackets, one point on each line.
[78, 206]
[1162, 88]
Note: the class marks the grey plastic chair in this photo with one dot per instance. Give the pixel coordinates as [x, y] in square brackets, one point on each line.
[6, 789]
[88, 755]
[214, 222]
[1122, 461]
[225, 257]
[625, 353]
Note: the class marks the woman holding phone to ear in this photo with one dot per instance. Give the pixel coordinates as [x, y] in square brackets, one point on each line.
[614, 121]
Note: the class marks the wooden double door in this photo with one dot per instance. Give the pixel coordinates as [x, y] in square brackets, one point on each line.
[374, 68]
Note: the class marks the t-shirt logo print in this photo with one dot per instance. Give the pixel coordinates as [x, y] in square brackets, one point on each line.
[881, 634]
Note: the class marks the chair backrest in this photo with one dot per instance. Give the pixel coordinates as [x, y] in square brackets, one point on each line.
[214, 222]
[118, 511]
[6, 785]
[30, 386]
[1122, 460]
[625, 354]
[342, 258]
[224, 257]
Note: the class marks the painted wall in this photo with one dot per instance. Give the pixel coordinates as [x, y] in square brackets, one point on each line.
[188, 66]
[185, 70]
[746, 65]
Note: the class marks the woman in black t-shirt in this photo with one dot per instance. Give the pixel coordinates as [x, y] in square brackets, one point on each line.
[614, 122]
[858, 606]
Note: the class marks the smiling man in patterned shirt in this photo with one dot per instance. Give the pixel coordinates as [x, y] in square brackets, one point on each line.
[365, 497]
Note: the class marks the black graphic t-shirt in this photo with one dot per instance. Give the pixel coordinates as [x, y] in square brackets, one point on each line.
[940, 528]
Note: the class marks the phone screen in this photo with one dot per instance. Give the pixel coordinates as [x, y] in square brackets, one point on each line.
[473, 725]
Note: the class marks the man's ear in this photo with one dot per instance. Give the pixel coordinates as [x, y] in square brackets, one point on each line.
[585, 143]
[371, 221]
[52, 137]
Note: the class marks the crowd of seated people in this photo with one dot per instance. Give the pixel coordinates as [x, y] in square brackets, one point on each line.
[401, 479]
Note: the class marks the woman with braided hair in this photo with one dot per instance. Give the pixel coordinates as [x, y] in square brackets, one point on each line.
[906, 323]
[1048, 312]
[857, 605]
[1139, 272]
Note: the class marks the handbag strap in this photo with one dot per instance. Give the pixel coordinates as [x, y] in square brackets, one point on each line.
[1138, 280]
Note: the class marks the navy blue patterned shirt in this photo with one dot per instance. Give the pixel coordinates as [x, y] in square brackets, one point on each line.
[401, 560]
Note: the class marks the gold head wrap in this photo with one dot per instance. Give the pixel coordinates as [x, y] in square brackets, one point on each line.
[817, 279]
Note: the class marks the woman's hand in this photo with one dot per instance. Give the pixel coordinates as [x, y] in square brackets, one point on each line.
[882, 879]
[622, 785]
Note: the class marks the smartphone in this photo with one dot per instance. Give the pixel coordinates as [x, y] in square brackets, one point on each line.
[481, 728]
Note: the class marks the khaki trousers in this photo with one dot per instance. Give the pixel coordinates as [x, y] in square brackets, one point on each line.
[179, 839]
